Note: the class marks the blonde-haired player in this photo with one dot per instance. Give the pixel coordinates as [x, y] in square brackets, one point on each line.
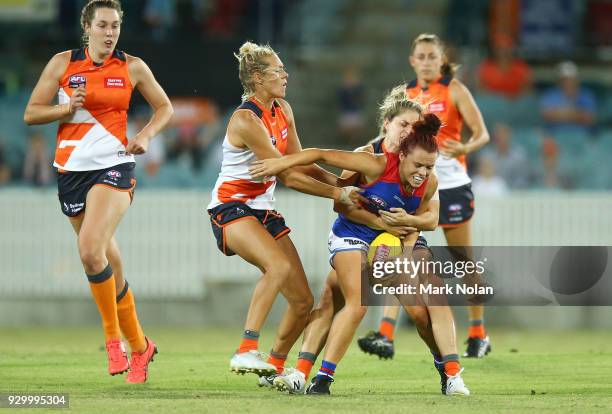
[242, 212]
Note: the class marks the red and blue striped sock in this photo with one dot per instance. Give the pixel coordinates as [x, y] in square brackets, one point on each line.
[328, 369]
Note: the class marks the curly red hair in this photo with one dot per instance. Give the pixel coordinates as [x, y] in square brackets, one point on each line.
[423, 135]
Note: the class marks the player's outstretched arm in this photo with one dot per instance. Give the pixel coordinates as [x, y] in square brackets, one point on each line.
[294, 145]
[246, 130]
[368, 164]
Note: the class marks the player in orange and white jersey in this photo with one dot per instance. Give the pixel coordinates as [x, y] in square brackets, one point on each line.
[450, 100]
[242, 213]
[95, 164]
[235, 183]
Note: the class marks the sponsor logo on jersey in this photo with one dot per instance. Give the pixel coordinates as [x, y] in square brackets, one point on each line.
[354, 242]
[376, 203]
[76, 81]
[114, 174]
[399, 199]
[114, 82]
[273, 139]
[284, 133]
[437, 107]
[454, 207]
[65, 206]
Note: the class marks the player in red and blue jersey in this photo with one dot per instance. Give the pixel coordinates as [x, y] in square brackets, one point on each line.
[391, 180]
[442, 94]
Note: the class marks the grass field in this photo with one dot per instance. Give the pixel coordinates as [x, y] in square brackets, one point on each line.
[526, 372]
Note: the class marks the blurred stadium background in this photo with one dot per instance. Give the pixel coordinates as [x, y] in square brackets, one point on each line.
[543, 180]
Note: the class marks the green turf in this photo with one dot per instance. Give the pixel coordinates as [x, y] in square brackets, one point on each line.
[526, 372]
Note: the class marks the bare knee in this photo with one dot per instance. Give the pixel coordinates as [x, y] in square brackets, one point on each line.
[278, 271]
[300, 301]
[420, 317]
[326, 301]
[279, 268]
[303, 305]
[355, 311]
[92, 256]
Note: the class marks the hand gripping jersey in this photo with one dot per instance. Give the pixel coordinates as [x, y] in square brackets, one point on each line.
[383, 194]
[94, 137]
[451, 172]
[378, 147]
[234, 182]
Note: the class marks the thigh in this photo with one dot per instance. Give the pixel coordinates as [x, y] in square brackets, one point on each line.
[250, 240]
[332, 279]
[460, 235]
[297, 281]
[459, 241]
[332, 284]
[105, 209]
[112, 251]
[74, 186]
[76, 223]
[349, 265]
[331, 298]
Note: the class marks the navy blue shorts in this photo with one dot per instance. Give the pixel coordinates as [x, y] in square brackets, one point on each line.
[227, 213]
[73, 186]
[456, 206]
[421, 243]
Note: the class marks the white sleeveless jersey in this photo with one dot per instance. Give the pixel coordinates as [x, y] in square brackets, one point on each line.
[451, 173]
[234, 182]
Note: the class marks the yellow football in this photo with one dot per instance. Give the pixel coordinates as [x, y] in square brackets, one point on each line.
[383, 247]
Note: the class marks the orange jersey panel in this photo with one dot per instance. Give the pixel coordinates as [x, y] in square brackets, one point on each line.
[235, 182]
[108, 93]
[275, 122]
[438, 99]
[242, 190]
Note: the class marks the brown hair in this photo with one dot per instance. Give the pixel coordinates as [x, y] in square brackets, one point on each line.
[250, 61]
[423, 135]
[89, 11]
[395, 103]
[448, 68]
